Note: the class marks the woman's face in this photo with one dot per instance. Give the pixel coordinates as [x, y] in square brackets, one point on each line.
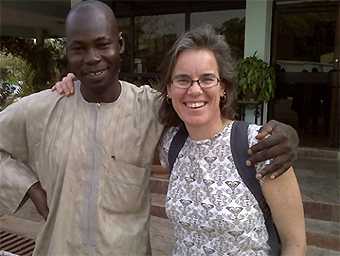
[198, 107]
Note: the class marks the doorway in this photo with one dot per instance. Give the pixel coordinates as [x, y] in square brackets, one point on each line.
[306, 57]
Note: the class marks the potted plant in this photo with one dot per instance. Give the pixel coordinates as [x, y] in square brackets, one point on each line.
[256, 80]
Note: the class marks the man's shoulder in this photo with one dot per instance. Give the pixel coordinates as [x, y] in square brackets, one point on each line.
[139, 91]
[40, 100]
[47, 94]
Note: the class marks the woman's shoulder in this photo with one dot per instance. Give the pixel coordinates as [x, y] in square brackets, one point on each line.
[253, 130]
[168, 135]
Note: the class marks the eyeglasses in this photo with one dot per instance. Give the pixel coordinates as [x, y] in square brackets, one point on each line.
[185, 82]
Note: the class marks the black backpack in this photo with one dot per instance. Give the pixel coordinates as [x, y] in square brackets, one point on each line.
[239, 149]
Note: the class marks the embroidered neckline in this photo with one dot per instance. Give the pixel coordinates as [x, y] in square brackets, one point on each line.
[226, 127]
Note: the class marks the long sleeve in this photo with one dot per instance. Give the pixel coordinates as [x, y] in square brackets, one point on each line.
[16, 176]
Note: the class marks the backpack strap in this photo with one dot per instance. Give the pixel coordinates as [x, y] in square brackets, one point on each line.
[176, 145]
[239, 149]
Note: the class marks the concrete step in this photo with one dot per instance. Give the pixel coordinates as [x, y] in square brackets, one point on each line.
[318, 153]
[316, 251]
[323, 234]
[159, 185]
[162, 236]
[313, 209]
[320, 233]
[20, 226]
[322, 211]
[158, 205]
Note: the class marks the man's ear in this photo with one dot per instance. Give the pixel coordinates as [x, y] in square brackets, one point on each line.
[121, 43]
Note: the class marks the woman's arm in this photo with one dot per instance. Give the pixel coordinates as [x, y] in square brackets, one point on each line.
[284, 199]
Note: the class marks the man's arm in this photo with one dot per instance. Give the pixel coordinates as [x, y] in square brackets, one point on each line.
[38, 196]
[16, 177]
[15, 180]
[281, 147]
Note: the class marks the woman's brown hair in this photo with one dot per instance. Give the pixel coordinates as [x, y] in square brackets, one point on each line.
[203, 37]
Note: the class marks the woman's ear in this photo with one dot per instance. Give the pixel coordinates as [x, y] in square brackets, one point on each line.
[223, 88]
[121, 43]
[168, 91]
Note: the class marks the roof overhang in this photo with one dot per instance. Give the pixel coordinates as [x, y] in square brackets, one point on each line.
[33, 18]
[36, 18]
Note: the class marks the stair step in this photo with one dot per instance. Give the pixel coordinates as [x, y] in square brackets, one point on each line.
[322, 211]
[316, 251]
[317, 153]
[313, 209]
[320, 233]
[157, 205]
[323, 234]
[20, 226]
[162, 236]
[159, 185]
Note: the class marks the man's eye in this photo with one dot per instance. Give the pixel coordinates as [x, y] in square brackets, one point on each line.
[76, 48]
[103, 45]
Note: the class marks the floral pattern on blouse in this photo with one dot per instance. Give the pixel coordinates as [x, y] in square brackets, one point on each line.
[211, 209]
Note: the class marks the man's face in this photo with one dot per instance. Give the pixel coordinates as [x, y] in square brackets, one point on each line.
[93, 51]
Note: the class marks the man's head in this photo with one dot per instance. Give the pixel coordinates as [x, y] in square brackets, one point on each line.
[93, 45]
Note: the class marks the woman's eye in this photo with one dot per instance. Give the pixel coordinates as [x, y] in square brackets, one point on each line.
[183, 81]
[207, 79]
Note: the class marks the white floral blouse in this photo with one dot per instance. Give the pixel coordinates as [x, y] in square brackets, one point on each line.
[212, 210]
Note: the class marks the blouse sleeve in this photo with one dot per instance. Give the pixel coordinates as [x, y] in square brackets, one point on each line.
[253, 130]
[164, 146]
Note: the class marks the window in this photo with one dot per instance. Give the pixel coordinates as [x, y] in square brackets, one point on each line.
[154, 37]
[230, 23]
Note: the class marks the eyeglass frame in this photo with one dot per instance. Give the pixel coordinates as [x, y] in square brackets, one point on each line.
[198, 82]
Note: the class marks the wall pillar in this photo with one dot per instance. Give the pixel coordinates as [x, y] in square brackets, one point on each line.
[74, 2]
[258, 39]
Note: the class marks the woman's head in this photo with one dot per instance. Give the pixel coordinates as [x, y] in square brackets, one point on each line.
[199, 54]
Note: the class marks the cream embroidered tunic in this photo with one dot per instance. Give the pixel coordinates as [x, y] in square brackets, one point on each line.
[212, 210]
[92, 159]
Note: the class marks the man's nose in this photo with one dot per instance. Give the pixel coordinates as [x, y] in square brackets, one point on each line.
[92, 56]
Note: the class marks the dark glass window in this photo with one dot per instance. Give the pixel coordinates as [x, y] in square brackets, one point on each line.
[125, 28]
[154, 37]
[304, 53]
[230, 23]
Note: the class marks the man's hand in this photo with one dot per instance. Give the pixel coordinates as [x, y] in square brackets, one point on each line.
[281, 147]
[66, 85]
[38, 197]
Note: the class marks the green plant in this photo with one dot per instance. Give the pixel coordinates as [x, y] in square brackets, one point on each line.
[43, 63]
[256, 80]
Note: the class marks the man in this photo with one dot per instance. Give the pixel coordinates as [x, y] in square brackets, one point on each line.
[91, 153]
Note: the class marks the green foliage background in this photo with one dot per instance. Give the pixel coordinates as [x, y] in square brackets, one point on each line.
[35, 66]
[256, 79]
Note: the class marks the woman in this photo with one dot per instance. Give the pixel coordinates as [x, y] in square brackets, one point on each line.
[212, 210]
